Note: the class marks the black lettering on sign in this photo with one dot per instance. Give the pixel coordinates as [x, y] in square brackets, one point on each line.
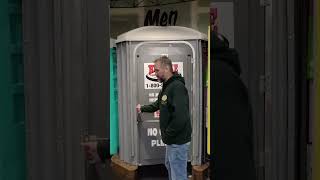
[164, 18]
[154, 19]
[150, 20]
[173, 15]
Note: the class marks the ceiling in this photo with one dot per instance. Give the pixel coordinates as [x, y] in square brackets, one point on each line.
[142, 3]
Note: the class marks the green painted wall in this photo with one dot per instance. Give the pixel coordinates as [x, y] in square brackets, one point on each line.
[114, 124]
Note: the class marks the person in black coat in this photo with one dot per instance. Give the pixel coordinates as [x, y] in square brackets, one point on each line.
[231, 119]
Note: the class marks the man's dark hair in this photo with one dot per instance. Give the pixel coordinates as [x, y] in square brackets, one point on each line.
[164, 61]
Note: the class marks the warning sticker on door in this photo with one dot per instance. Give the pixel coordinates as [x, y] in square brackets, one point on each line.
[150, 78]
[155, 132]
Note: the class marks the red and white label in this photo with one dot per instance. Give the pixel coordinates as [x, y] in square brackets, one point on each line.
[150, 78]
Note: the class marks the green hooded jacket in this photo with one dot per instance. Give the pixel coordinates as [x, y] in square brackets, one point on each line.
[173, 102]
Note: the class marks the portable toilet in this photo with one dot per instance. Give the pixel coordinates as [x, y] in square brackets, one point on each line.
[140, 140]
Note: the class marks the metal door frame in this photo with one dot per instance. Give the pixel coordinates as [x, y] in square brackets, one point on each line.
[281, 93]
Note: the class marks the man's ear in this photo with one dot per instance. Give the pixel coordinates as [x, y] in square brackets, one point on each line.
[166, 68]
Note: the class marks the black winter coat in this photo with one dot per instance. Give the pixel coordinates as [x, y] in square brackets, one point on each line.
[231, 127]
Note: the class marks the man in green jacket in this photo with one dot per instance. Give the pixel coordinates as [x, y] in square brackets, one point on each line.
[175, 124]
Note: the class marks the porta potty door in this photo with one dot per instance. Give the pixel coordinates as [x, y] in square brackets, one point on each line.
[151, 147]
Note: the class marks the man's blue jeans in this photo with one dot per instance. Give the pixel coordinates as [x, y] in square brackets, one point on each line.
[176, 161]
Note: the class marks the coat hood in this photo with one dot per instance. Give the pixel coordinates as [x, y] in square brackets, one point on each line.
[175, 77]
[219, 47]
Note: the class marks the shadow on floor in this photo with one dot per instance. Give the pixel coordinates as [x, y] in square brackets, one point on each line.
[152, 172]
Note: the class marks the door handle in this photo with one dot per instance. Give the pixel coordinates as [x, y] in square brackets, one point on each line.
[139, 118]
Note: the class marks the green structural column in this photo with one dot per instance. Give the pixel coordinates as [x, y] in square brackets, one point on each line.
[114, 127]
[12, 120]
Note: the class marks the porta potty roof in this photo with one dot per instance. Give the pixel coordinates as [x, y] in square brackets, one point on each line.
[161, 33]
